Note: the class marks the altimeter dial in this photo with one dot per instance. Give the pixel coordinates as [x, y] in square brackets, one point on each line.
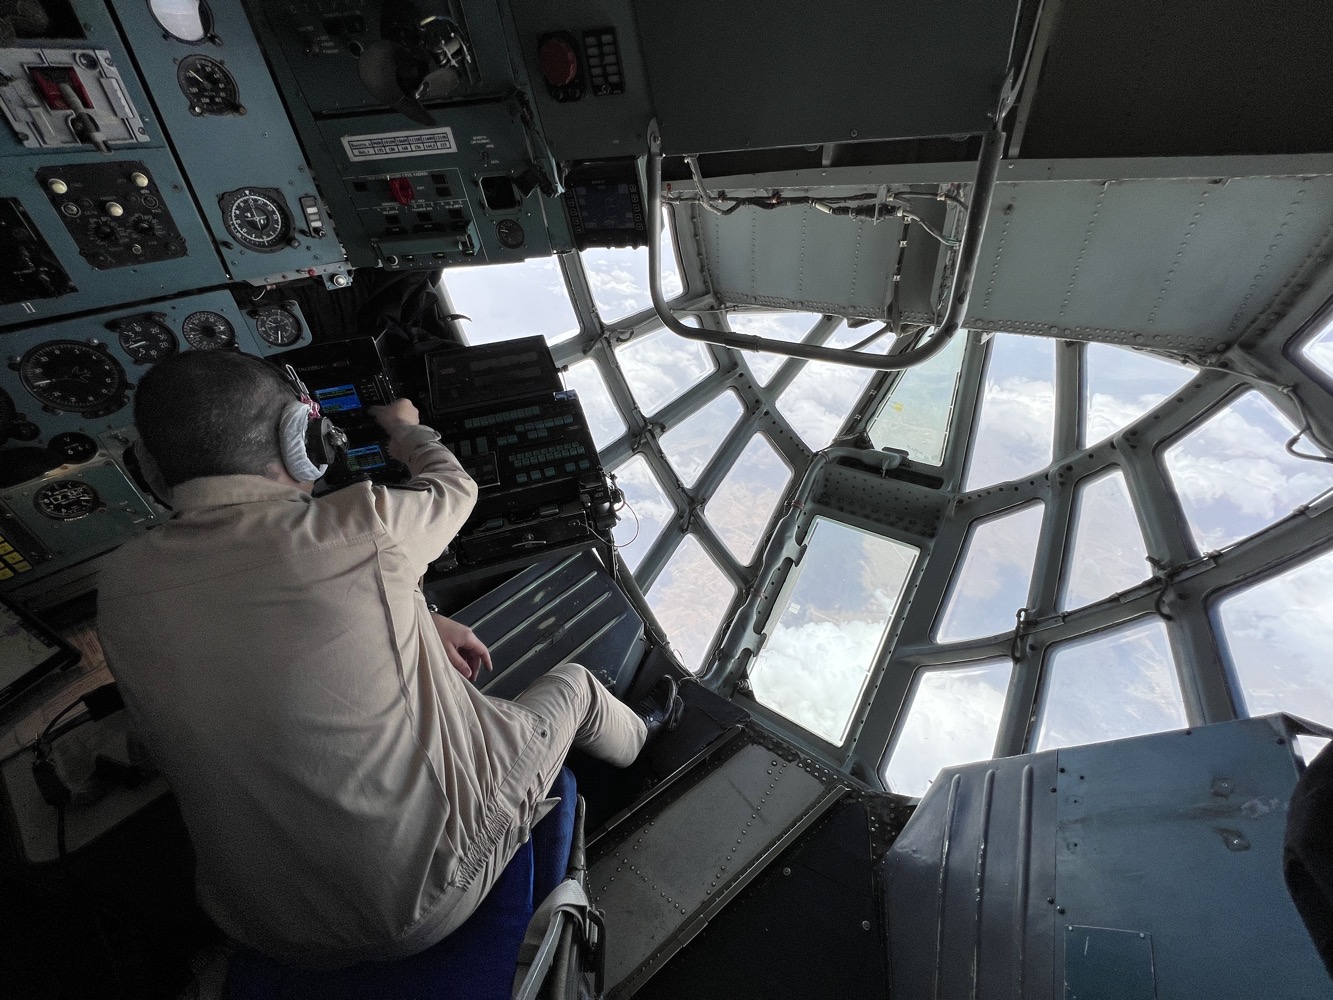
[209, 88]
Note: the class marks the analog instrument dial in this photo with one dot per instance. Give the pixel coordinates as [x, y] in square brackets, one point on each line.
[210, 89]
[256, 220]
[73, 376]
[208, 331]
[66, 500]
[145, 339]
[277, 326]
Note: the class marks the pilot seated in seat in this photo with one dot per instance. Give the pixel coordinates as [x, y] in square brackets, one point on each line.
[350, 794]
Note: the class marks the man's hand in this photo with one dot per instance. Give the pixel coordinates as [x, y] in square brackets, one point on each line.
[466, 652]
[399, 413]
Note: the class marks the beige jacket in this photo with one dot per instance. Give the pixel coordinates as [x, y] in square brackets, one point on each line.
[342, 784]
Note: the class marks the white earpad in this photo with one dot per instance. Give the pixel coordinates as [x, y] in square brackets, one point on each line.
[292, 428]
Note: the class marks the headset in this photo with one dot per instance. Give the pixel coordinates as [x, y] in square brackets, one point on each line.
[308, 441]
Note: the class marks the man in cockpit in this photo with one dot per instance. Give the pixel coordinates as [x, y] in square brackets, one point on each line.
[350, 795]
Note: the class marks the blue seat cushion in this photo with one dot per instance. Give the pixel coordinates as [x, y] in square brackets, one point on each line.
[476, 962]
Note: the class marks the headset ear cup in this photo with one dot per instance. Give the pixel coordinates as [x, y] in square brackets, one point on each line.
[293, 428]
[144, 470]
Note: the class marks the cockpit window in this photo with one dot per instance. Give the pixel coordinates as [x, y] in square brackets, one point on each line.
[660, 366]
[647, 510]
[604, 420]
[742, 505]
[1120, 385]
[1318, 350]
[1107, 554]
[787, 326]
[1016, 429]
[992, 582]
[821, 396]
[915, 415]
[618, 276]
[506, 301]
[1234, 477]
[689, 598]
[1112, 684]
[952, 716]
[692, 442]
[1279, 633]
[814, 666]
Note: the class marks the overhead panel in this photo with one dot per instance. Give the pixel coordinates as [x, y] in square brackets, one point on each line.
[797, 257]
[1188, 264]
[588, 77]
[420, 169]
[737, 75]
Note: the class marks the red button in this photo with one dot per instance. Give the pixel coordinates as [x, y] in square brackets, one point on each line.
[559, 62]
[400, 188]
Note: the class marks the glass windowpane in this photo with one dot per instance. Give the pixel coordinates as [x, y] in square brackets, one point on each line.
[1279, 633]
[1016, 426]
[1233, 476]
[786, 326]
[1107, 554]
[952, 717]
[915, 416]
[818, 656]
[618, 276]
[1319, 350]
[1116, 683]
[660, 366]
[994, 576]
[647, 510]
[692, 442]
[821, 396]
[506, 301]
[740, 508]
[1120, 385]
[689, 598]
[604, 420]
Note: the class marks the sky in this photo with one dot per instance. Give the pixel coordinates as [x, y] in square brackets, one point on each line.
[1231, 474]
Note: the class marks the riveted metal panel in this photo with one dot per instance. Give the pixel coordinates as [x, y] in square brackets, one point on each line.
[654, 882]
[910, 508]
[799, 258]
[1189, 264]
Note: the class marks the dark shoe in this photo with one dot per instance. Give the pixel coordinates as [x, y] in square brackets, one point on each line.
[662, 707]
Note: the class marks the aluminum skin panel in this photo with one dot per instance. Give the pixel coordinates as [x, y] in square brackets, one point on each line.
[1185, 264]
[1138, 868]
[750, 76]
[261, 149]
[799, 258]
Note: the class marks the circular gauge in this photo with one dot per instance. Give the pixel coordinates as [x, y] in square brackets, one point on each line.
[66, 500]
[208, 86]
[510, 233]
[73, 447]
[256, 219]
[73, 376]
[278, 326]
[184, 20]
[145, 339]
[208, 331]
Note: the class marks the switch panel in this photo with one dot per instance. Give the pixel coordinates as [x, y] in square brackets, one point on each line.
[67, 99]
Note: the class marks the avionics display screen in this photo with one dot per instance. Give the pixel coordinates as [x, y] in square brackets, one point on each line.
[608, 207]
[338, 399]
[366, 458]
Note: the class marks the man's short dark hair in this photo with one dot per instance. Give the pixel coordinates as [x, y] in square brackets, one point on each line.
[211, 413]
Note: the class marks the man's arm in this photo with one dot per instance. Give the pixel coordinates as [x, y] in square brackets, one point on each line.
[425, 517]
